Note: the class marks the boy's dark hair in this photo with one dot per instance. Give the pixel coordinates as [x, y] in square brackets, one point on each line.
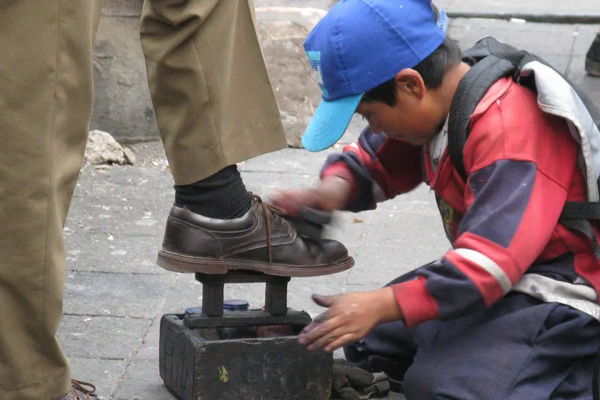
[432, 70]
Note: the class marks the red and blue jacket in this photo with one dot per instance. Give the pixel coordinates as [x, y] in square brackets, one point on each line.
[502, 222]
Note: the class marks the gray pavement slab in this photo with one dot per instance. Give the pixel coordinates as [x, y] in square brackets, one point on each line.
[119, 295]
[546, 10]
[402, 234]
[589, 84]
[105, 374]
[138, 383]
[551, 11]
[108, 338]
[98, 214]
[120, 253]
[552, 42]
[562, 45]
[149, 348]
[585, 35]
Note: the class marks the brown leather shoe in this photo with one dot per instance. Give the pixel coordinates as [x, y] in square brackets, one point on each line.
[80, 391]
[262, 241]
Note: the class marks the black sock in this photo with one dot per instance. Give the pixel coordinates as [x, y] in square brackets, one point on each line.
[222, 195]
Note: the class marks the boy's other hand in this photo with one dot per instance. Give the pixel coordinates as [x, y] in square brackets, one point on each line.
[331, 194]
[349, 317]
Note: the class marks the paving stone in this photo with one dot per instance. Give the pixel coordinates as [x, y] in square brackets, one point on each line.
[552, 42]
[151, 173]
[120, 295]
[104, 374]
[535, 37]
[585, 36]
[301, 290]
[445, 4]
[186, 292]
[115, 253]
[320, 4]
[149, 348]
[142, 382]
[532, 7]
[101, 337]
[118, 215]
[589, 84]
[267, 184]
[561, 63]
[349, 229]
[403, 234]
[291, 162]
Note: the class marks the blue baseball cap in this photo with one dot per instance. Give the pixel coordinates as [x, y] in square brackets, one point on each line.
[359, 45]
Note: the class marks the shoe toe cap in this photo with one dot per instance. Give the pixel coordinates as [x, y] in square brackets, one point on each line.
[331, 251]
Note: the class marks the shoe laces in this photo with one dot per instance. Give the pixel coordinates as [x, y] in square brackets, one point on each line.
[269, 209]
[81, 387]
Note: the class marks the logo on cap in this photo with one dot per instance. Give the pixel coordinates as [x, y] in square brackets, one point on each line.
[315, 62]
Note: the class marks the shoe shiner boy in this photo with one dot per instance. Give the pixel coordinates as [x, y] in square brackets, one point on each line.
[511, 311]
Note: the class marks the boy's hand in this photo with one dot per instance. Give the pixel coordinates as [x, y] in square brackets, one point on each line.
[349, 318]
[331, 194]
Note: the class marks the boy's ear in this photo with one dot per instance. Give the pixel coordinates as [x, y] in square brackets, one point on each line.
[410, 82]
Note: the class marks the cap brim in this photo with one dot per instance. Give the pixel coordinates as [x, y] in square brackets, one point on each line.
[329, 123]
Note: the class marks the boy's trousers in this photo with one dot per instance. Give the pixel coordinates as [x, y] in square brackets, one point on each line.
[519, 349]
[214, 106]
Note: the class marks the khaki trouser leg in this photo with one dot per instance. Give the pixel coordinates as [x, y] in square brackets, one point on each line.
[45, 104]
[211, 93]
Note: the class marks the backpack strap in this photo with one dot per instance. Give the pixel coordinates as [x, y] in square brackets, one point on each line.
[577, 215]
[581, 210]
[491, 60]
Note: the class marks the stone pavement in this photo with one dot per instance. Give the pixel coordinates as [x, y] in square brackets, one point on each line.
[546, 10]
[583, 11]
[115, 294]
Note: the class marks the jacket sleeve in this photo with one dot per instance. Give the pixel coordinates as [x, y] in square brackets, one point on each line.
[378, 169]
[514, 200]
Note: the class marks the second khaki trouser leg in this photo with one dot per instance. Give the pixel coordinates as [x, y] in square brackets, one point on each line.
[212, 96]
[45, 105]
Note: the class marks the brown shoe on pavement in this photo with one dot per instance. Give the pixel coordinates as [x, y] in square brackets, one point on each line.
[261, 241]
[80, 391]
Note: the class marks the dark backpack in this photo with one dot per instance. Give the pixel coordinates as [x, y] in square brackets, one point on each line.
[492, 60]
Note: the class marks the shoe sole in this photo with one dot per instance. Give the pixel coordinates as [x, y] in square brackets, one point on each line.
[187, 264]
[592, 67]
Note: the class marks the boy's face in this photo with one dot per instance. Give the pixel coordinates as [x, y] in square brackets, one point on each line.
[415, 118]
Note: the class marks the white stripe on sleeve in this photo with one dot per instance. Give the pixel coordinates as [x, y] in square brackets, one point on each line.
[489, 265]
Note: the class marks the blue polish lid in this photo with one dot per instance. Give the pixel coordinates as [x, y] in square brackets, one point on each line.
[193, 310]
[235, 305]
